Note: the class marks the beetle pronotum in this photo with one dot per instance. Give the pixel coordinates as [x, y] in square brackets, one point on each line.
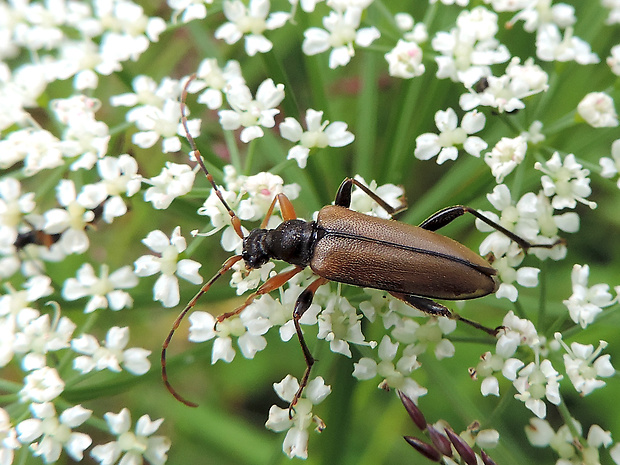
[412, 263]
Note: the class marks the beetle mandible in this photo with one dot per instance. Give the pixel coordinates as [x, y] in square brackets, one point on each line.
[412, 263]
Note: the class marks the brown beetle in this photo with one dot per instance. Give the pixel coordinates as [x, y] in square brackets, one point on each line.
[412, 263]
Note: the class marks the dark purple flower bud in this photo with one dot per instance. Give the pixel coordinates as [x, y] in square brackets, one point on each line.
[441, 442]
[467, 453]
[486, 459]
[414, 412]
[423, 448]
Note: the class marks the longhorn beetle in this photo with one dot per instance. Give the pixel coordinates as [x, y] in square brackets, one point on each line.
[412, 263]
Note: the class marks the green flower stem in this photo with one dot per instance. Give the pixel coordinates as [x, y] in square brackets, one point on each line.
[366, 134]
[568, 421]
[233, 150]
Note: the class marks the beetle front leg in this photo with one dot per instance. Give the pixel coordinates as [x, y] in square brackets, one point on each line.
[271, 284]
[301, 305]
[430, 307]
[343, 197]
[447, 215]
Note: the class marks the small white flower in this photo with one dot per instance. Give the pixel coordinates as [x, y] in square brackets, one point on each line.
[340, 33]
[14, 207]
[215, 80]
[506, 93]
[584, 365]
[363, 203]
[105, 289]
[15, 303]
[488, 365]
[280, 313]
[84, 137]
[129, 33]
[319, 134]
[451, 137]
[535, 382]
[55, 432]
[296, 440]
[174, 181]
[70, 221]
[38, 336]
[429, 335]
[586, 303]
[566, 182]
[249, 328]
[188, 10]
[155, 122]
[147, 92]
[395, 375]
[611, 166]
[538, 15]
[613, 60]
[251, 22]
[110, 356]
[525, 276]
[518, 218]
[541, 434]
[551, 46]
[118, 176]
[597, 109]
[405, 60]
[132, 447]
[166, 288]
[534, 134]
[614, 11]
[251, 113]
[550, 225]
[411, 32]
[42, 385]
[340, 324]
[517, 332]
[8, 439]
[37, 148]
[506, 156]
[466, 52]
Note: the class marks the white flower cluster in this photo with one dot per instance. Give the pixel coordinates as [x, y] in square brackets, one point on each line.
[37, 341]
[539, 380]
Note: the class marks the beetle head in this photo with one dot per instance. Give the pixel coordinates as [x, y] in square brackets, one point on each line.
[255, 253]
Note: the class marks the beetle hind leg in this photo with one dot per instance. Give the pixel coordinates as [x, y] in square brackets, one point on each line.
[447, 215]
[430, 307]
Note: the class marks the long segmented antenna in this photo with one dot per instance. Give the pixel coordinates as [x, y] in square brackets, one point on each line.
[228, 264]
[236, 222]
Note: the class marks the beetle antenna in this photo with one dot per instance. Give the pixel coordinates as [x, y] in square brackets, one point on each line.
[228, 264]
[236, 222]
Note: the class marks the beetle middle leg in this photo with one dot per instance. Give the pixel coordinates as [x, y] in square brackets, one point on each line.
[430, 307]
[301, 305]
